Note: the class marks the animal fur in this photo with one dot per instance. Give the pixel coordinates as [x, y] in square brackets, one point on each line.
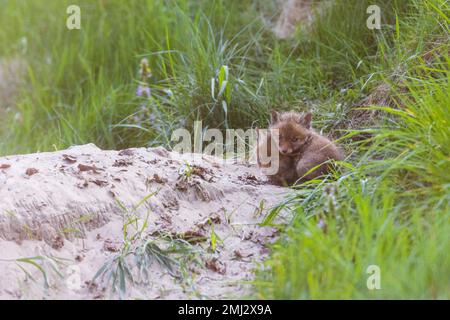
[299, 147]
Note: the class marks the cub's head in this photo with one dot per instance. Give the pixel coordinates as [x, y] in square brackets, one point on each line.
[294, 131]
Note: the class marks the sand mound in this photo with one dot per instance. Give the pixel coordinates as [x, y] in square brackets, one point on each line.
[64, 214]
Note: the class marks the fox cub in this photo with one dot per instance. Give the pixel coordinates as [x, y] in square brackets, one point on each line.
[300, 148]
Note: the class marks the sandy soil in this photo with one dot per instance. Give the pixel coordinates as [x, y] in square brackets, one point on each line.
[76, 204]
[293, 12]
[11, 73]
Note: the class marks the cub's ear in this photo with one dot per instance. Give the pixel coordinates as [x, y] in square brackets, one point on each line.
[306, 120]
[274, 116]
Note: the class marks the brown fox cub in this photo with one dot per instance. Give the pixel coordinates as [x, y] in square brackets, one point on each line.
[299, 148]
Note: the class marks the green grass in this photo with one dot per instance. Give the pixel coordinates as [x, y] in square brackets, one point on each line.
[389, 205]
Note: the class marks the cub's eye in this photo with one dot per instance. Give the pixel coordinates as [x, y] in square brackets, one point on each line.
[294, 139]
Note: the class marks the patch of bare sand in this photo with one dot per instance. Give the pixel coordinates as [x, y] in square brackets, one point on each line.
[65, 205]
[297, 12]
[11, 73]
[293, 12]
